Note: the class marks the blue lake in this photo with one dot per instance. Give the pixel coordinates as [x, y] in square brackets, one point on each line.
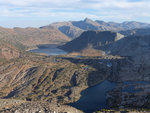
[94, 98]
[49, 50]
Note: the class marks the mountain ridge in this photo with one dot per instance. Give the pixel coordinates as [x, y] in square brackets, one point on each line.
[73, 29]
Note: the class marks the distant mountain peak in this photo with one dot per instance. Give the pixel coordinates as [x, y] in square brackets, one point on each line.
[88, 20]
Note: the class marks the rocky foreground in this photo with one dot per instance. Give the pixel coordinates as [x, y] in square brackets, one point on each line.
[20, 106]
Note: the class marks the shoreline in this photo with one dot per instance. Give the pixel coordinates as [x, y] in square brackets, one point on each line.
[47, 47]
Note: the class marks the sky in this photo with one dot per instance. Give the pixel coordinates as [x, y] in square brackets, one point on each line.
[36, 13]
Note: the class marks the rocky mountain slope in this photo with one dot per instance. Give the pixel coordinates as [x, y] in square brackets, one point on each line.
[28, 37]
[96, 39]
[73, 29]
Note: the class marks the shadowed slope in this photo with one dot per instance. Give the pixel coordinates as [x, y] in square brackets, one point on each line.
[94, 38]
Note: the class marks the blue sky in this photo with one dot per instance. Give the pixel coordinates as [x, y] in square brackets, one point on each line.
[36, 13]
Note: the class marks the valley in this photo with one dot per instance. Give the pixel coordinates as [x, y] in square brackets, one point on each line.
[46, 69]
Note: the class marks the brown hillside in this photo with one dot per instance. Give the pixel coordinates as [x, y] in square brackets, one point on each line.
[29, 37]
[8, 51]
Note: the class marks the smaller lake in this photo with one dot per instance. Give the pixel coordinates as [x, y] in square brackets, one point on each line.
[49, 50]
[94, 98]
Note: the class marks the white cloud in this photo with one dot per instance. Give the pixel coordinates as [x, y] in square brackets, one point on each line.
[118, 10]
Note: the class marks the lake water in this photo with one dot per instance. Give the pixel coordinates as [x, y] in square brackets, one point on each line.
[94, 98]
[49, 50]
